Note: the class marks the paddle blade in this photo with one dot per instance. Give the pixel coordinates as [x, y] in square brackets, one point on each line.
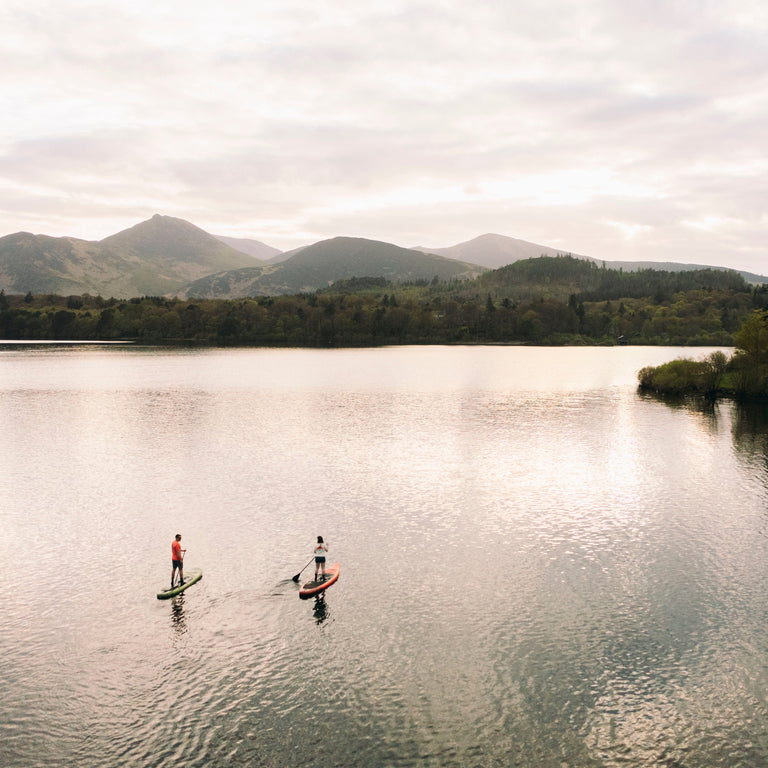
[296, 577]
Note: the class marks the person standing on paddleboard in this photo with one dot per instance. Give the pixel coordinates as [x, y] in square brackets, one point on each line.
[320, 549]
[177, 560]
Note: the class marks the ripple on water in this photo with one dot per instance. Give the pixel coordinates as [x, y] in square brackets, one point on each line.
[564, 574]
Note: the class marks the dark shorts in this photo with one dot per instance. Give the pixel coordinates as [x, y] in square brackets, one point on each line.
[319, 559]
[176, 564]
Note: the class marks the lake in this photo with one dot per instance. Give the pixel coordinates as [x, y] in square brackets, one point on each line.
[539, 566]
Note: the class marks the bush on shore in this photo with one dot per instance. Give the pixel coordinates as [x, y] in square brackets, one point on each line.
[685, 376]
[743, 375]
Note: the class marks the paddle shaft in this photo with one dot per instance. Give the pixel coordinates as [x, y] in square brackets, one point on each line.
[296, 577]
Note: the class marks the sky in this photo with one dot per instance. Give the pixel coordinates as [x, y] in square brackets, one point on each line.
[616, 129]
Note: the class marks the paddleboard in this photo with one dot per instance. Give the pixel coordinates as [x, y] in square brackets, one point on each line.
[313, 587]
[191, 576]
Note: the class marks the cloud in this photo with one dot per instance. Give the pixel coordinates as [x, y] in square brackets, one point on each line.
[609, 127]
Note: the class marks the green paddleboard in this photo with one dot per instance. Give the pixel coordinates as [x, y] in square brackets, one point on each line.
[191, 576]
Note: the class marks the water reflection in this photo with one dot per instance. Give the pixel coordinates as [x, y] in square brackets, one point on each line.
[178, 619]
[750, 430]
[706, 406]
[613, 552]
[749, 420]
[320, 609]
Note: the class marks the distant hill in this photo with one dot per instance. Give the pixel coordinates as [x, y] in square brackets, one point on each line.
[562, 277]
[153, 258]
[674, 266]
[319, 265]
[494, 251]
[255, 248]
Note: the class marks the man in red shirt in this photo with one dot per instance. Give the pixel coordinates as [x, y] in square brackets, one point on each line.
[177, 559]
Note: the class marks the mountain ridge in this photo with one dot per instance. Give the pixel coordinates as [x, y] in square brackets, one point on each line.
[154, 257]
[167, 256]
[320, 264]
[494, 251]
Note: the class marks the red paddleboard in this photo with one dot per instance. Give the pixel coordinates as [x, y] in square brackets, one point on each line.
[313, 587]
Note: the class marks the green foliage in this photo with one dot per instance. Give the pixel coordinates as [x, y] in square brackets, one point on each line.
[537, 301]
[744, 375]
[751, 360]
[359, 284]
[752, 339]
[686, 376]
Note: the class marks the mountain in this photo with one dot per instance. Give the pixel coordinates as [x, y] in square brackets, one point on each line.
[494, 251]
[320, 265]
[153, 258]
[174, 251]
[255, 248]
[169, 256]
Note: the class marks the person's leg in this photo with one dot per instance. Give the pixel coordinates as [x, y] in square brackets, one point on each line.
[181, 574]
[173, 573]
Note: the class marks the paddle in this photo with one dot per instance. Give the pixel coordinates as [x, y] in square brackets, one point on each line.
[296, 577]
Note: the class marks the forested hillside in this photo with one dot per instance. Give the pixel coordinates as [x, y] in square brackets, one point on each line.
[547, 300]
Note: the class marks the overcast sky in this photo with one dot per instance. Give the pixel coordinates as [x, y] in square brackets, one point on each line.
[618, 129]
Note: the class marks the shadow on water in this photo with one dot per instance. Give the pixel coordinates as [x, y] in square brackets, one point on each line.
[707, 408]
[178, 619]
[697, 403]
[320, 609]
[750, 420]
[750, 430]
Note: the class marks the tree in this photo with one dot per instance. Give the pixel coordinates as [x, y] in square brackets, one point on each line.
[751, 360]
[713, 369]
[62, 320]
[752, 339]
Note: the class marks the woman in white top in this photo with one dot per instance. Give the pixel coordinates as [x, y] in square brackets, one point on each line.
[320, 549]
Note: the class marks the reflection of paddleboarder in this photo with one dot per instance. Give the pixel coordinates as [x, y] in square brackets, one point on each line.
[320, 549]
[177, 560]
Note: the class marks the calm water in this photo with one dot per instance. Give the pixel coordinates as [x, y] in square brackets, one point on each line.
[539, 567]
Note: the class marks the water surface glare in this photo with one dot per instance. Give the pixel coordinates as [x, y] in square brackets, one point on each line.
[539, 566]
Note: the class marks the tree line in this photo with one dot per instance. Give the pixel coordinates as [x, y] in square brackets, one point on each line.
[558, 300]
[743, 375]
